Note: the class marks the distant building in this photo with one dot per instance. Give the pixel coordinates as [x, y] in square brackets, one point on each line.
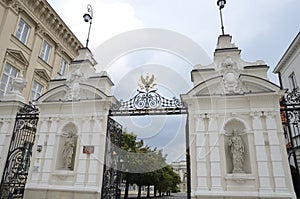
[180, 169]
[35, 44]
[288, 67]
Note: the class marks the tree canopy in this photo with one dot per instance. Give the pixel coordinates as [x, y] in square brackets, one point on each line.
[144, 166]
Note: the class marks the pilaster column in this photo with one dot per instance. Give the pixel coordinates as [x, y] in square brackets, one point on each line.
[279, 165]
[203, 175]
[50, 144]
[214, 153]
[47, 140]
[261, 154]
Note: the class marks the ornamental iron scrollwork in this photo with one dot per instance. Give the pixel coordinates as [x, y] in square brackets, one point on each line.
[290, 116]
[147, 99]
[291, 98]
[29, 109]
[18, 159]
[112, 166]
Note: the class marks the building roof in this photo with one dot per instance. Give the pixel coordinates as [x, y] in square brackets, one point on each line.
[288, 53]
[47, 19]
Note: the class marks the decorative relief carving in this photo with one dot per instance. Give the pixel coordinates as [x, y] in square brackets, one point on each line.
[14, 4]
[74, 91]
[270, 114]
[256, 114]
[58, 48]
[231, 82]
[39, 29]
[228, 64]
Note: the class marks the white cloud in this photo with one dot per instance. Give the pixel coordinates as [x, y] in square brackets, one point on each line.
[110, 18]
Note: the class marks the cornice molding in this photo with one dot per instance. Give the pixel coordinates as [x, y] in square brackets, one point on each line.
[294, 46]
[47, 21]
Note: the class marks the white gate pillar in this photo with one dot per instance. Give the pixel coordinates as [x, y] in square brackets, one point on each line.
[239, 150]
[68, 158]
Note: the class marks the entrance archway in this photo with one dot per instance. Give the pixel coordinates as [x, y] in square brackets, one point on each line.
[147, 101]
[151, 39]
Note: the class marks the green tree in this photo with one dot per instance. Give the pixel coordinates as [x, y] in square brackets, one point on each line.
[144, 166]
[130, 146]
[168, 180]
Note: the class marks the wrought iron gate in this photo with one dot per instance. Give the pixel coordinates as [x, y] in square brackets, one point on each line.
[18, 159]
[148, 101]
[290, 116]
[112, 170]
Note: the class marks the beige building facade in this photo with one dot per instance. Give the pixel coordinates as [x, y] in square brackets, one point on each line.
[180, 168]
[35, 45]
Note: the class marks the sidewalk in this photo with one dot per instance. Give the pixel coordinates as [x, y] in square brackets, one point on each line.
[173, 196]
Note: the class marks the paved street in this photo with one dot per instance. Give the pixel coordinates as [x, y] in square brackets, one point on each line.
[173, 196]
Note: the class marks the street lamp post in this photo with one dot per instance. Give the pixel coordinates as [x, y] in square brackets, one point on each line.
[88, 18]
[221, 4]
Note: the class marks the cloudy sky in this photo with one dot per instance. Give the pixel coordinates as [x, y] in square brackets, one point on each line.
[262, 29]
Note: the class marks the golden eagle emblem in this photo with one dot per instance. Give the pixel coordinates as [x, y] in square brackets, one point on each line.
[147, 83]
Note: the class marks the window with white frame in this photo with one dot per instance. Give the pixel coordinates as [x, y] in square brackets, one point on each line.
[22, 31]
[46, 50]
[36, 90]
[8, 75]
[293, 81]
[62, 67]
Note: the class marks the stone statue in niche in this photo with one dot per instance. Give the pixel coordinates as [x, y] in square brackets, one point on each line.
[237, 150]
[68, 151]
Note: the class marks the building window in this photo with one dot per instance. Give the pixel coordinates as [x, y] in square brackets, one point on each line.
[293, 81]
[62, 67]
[22, 31]
[8, 75]
[45, 53]
[36, 90]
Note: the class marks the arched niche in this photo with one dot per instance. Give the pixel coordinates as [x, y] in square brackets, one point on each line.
[236, 127]
[67, 145]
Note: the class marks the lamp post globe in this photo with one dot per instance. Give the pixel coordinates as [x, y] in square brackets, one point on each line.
[221, 3]
[88, 18]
